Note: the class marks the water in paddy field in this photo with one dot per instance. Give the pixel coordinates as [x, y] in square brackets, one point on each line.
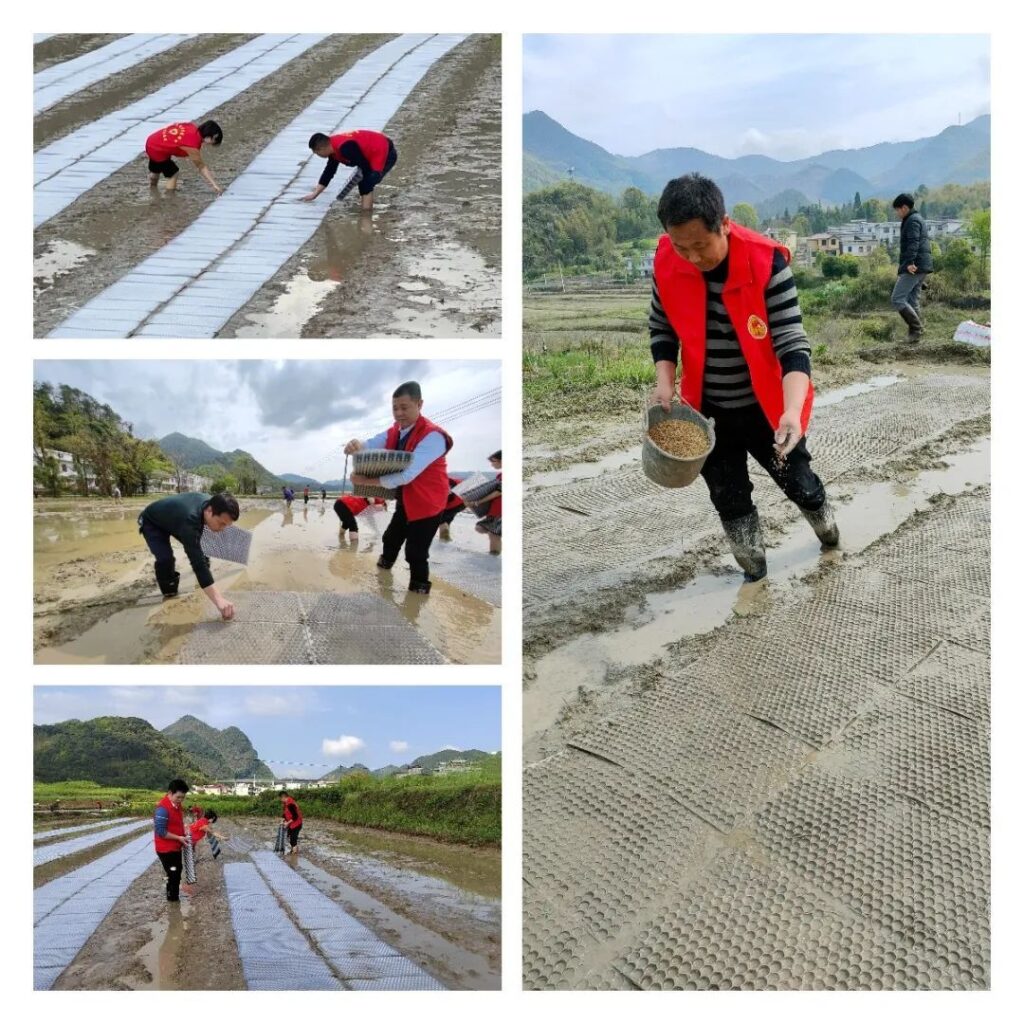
[96, 600]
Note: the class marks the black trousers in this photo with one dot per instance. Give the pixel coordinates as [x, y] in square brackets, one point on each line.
[348, 520]
[172, 868]
[159, 543]
[370, 181]
[450, 513]
[417, 537]
[739, 432]
[168, 168]
[293, 836]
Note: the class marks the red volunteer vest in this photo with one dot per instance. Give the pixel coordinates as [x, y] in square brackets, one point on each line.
[374, 145]
[684, 299]
[296, 819]
[454, 501]
[175, 824]
[168, 142]
[427, 495]
[494, 509]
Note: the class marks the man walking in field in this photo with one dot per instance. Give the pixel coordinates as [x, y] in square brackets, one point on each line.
[184, 517]
[724, 301]
[915, 265]
[169, 835]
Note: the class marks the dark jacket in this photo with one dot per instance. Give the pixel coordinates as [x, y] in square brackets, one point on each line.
[181, 517]
[914, 247]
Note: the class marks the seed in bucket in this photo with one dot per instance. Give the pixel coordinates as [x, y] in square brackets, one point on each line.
[681, 438]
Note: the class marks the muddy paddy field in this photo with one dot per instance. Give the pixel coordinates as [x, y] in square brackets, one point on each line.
[436, 906]
[427, 263]
[817, 742]
[96, 601]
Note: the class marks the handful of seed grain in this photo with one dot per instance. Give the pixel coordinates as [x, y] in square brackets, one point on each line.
[681, 438]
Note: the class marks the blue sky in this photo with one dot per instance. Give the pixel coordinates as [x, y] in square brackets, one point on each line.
[322, 725]
[784, 96]
[289, 414]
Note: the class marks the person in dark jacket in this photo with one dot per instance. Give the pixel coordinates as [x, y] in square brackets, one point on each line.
[184, 517]
[915, 265]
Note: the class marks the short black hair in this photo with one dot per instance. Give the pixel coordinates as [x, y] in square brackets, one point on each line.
[177, 786]
[224, 502]
[211, 816]
[691, 197]
[903, 200]
[284, 792]
[410, 388]
[495, 455]
[318, 139]
[211, 130]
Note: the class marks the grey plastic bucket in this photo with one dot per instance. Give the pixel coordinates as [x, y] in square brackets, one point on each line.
[669, 470]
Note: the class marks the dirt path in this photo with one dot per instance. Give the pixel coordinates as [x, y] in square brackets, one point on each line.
[817, 742]
[66, 46]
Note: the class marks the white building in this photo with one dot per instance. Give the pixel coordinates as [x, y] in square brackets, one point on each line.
[66, 468]
[642, 264]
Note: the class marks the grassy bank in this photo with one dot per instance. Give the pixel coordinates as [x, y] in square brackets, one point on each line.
[464, 808]
[588, 350]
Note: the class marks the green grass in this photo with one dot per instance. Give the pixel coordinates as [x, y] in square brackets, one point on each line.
[463, 808]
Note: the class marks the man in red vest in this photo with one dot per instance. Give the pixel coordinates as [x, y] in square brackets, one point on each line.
[422, 488]
[169, 834]
[292, 819]
[724, 297]
[183, 139]
[372, 153]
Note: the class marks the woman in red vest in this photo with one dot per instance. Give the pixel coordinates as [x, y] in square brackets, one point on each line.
[724, 298]
[372, 153]
[181, 140]
[491, 523]
[422, 488]
[169, 835]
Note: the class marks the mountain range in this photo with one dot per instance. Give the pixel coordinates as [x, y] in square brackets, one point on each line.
[958, 154]
[221, 753]
[195, 454]
[428, 762]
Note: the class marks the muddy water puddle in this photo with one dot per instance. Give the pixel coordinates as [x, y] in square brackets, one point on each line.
[58, 257]
[865, 513]
[93, 571]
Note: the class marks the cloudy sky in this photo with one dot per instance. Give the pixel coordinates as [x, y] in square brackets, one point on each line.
[316, 726]
[782, 96]
[288, 414]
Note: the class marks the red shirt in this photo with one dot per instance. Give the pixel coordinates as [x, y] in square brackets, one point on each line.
[375, 147]
[356, 505]
[198, 830]
[169, 141]
[292, 814]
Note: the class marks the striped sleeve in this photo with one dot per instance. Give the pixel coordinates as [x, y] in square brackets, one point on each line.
[664, 341]
[785, 320]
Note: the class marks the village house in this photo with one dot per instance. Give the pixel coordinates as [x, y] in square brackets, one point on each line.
[825, 242]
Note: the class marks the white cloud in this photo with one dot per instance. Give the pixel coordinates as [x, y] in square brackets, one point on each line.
[343, 746]
[273, 705]
[398, 746]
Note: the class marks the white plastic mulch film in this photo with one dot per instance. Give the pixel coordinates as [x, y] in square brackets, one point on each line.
[45, 854]
[70, 908]
[231, 544]
[194, 284]
[59, 81]
[70, 166]
[72, 829]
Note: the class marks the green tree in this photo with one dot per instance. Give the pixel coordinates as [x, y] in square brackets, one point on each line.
[745, 214]
[801, 225]
[224, 482]
[244, 469]
[958, 259]
[979, 228]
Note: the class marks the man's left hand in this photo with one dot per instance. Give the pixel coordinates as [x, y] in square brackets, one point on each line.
[911, 268]
[788, 434]
[358, 478]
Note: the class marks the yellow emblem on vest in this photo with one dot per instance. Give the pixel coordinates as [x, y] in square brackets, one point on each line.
[757, 327]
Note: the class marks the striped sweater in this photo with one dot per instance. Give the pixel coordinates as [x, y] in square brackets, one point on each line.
[726, 375]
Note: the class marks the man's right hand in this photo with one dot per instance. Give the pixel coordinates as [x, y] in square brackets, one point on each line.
[353, 446]
[227, 610]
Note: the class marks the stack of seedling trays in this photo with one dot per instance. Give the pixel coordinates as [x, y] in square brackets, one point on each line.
[378, 462]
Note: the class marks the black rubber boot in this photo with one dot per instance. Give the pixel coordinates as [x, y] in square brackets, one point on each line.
[419, 587]
[383, 563]
[167, 579]
[913, 322]
[823, 522]
[747, 545]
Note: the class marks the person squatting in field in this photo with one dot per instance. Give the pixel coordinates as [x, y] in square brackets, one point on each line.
[184, 517]
[292, 820]
[422, 487]
[348, 506]
[491, 522]
[183, 139]
[372, 153]
[724, 299]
